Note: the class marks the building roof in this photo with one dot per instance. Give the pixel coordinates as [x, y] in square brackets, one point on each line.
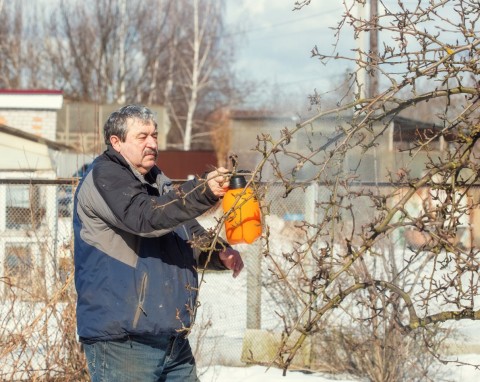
[35, 138]
[258, 114]
[34, 99]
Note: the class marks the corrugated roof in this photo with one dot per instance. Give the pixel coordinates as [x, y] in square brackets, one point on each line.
[35, 138]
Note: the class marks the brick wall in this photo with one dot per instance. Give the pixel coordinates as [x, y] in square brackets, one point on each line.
[38, 122]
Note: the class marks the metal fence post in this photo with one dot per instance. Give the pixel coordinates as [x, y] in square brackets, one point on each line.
[311, 198]
[51, 252]
[254, 285]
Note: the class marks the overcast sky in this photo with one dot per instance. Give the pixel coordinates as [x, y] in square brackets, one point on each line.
[277, 44]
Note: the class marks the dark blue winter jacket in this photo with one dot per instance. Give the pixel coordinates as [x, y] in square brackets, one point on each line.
[135, 270]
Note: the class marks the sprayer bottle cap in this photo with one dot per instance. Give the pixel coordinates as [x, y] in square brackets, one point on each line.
[237, 181]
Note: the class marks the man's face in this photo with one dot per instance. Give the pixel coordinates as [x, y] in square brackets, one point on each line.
[140, 146]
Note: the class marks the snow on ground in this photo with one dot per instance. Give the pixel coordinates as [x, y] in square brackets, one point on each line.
[263, 374]
[224, 307]
[449, 372]
[224, 310]
[464, 373]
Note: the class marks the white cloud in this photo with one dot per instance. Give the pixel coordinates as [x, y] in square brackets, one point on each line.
[278, 42]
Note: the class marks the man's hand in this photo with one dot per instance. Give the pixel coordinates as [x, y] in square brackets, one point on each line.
[232, 260]
[217, 181]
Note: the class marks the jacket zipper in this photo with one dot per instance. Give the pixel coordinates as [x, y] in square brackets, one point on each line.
[192, 300]
[141, 301]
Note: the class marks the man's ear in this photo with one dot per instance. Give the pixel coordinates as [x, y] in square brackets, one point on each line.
[115, 142]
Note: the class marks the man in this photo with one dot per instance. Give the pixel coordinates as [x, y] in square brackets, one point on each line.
[135, 267]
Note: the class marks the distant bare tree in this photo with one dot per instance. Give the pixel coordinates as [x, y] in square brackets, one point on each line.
[19, 30]
[10, 46]
[154, 51]
[94, 49]
[174, 53]
[203, 81]
[193, 66]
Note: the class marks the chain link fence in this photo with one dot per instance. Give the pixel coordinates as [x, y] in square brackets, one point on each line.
[37, 325]
[236, 318]
[37, 322]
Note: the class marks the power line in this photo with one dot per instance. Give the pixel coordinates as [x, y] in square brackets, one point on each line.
[286, 34]
[282, 23]
[286, 22]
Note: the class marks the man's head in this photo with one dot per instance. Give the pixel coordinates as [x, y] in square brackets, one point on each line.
[132, 131]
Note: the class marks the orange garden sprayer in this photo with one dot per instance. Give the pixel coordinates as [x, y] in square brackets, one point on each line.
[243, 223]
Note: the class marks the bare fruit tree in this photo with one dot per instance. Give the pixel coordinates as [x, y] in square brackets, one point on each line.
[395, 257]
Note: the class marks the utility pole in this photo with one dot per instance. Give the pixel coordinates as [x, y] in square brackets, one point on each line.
[372, 88]
[361, 71]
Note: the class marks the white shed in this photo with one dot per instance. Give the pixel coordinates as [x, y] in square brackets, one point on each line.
[25, 155]
[32, 111]
[30, 215]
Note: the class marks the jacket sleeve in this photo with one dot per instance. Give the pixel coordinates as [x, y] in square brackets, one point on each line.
[129, 201]
[207, 259]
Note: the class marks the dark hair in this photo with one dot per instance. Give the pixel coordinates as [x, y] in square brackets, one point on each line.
[117, 121]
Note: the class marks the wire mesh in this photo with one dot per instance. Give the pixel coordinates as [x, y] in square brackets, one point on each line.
[235, 318]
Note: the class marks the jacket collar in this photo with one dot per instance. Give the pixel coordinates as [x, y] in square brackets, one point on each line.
[155, 177]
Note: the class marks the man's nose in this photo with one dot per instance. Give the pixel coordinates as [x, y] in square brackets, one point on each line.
[152, 142]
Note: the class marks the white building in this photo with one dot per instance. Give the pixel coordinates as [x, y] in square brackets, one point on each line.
[32, 111]
[29, 196]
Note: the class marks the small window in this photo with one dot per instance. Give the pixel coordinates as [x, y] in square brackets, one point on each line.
[410, 134]
[406, 139]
